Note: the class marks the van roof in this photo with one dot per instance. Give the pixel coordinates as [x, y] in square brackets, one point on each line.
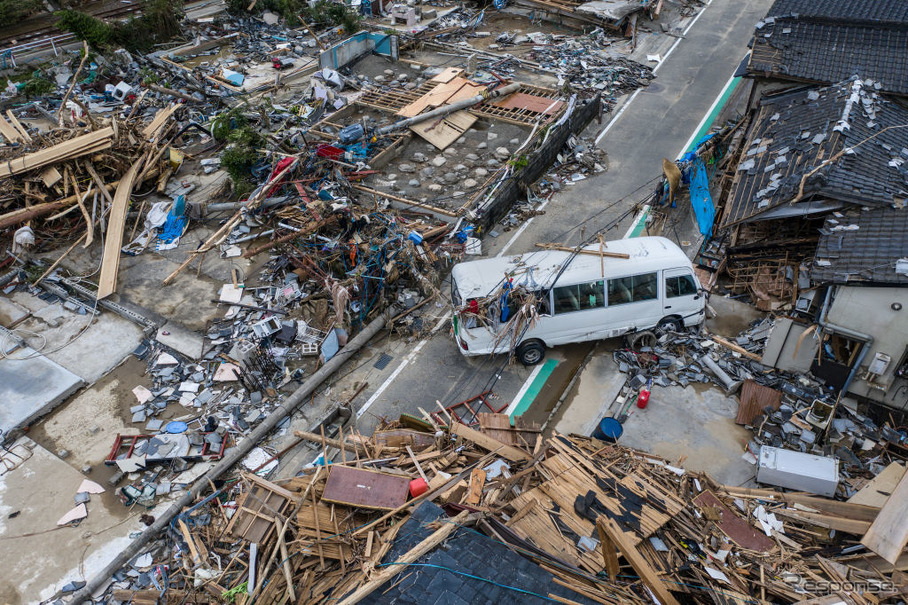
[479, 278]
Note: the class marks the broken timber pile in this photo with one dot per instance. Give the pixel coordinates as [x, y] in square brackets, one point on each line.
[607, 523]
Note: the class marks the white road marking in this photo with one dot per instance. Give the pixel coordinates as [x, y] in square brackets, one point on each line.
[707, 114]
[400, 368]
[655, 69]
[520, 231]
[523, 389]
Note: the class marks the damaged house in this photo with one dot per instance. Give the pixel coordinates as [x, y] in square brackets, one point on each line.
[813, 219]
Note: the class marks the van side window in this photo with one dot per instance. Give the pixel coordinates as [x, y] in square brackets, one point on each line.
[635, 288]
[579, 297]
[681, 285]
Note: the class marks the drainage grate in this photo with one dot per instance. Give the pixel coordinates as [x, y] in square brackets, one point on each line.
[383, 361]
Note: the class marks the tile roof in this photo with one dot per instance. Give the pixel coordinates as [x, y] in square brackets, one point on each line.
[862, 245]
[795, 133]
[891, 11]
[467, 552]
[829, 41]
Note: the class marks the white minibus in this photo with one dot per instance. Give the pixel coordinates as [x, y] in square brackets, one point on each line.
[574, 297]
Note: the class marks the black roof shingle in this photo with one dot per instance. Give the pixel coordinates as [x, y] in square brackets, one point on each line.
[828, 41]
[449, 574]
[863, 246]
[849, 142]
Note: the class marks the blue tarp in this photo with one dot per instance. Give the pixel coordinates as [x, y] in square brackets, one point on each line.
[701, 199]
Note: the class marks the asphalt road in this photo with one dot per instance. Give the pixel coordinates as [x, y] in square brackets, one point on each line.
[655, 123]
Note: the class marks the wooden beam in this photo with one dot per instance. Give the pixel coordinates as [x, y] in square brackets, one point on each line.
[888, 534]
[411, 556]
[488, 443]
[733, 347]
[600, 253]
[609, 553]
[67, 150]
[649, 576]
[110, 263]
[314, 438]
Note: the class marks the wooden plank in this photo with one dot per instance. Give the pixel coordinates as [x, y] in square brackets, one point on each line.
[737, 529]
[637, 561]
[67, 150]
[9, 133]
[561, 248]
[365, 488]
[477, 481]
[851, 526]
[411, 556]
[110, 262]
[23, 133]
[493, 445]
[609, 553]
[733, 347]
[447, 75]
[444, 132]
[878, 490]
[888, 534]
[825, 505]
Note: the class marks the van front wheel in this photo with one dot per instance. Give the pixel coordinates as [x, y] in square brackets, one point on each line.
[531, 352]
[672, 323]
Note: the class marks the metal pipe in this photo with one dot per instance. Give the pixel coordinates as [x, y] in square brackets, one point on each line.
[731, 385]
[448, 109]
[297, 398]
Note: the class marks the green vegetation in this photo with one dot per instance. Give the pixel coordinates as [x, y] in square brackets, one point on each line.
[37, 86]
[242, 151]
[324, 13]
[13, 11]
[159, 22]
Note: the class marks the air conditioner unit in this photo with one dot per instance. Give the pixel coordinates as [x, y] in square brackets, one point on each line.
[798, 471]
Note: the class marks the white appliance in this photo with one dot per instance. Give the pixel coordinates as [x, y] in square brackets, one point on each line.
[798, 471]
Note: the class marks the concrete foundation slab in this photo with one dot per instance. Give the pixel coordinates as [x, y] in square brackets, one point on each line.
[596, 389]
[181, 340]
[695, 425]
[11, 313]
[39, 557]
[30, 386]
[85, 345]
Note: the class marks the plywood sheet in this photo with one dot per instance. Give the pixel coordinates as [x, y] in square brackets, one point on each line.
[753, 400]
[443, 94]
[878, 490]
[365, 489]
[522, 100]
[737, 529]
[447, 75]
[444, 132]
[888, 534]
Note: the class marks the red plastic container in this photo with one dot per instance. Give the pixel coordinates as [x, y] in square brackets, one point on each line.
[418, 487]
[643, 398]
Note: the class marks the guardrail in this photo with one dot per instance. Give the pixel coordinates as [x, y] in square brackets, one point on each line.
[10, 57]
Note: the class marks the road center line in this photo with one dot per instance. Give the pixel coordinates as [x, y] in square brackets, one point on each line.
[655, 69]
[521, 229]
[403, 364]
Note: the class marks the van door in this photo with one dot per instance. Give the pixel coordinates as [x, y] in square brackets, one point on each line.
[681, 293]
[575, 314]
[633, 302]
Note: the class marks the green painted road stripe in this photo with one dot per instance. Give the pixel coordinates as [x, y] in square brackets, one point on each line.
[715, 112]
[524, 404]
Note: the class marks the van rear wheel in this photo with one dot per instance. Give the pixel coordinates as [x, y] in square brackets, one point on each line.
[531, 352]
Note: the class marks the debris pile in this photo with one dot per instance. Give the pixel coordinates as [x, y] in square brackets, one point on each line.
[786, 410]
[607, 523]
